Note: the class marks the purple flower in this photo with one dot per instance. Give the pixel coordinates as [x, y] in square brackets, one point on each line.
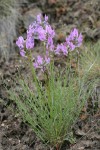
[20, 42]
[50, 41]
[22, 53]
[80, 39]
[50, 35]
[38, 62]
[29, 42]
[30, 30]
[64, 49]
[61, 48]
[35, 64]
[46, 18]
[70, 44]
[41, 62]
[50, 45]
[50, 31]
[39, 20]
[41, 33]
[74, 39]
[74, 33]
[41, 30]
[58, 49]
[47, 60]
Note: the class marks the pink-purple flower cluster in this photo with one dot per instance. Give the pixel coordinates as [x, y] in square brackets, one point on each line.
[61, 49]
[74, 40]
[41, 62]
[41, 30]
[20, 43]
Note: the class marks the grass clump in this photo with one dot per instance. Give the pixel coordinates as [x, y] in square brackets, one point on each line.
[51, 110]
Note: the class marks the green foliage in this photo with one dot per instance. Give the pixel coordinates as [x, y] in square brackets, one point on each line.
[51, 109]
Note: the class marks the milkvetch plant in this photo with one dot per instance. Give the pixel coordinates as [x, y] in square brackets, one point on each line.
[51, 108]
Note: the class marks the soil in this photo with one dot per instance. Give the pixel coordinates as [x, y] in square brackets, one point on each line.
[64, 15]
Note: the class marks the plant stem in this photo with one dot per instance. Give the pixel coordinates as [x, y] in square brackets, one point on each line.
[57, 147]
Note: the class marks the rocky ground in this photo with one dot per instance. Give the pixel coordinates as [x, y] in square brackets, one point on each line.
[63, 15]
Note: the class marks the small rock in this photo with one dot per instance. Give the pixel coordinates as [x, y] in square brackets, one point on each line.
[80, 133]
[30, 16]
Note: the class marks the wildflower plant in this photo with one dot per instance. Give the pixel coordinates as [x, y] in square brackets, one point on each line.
[51, 108]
